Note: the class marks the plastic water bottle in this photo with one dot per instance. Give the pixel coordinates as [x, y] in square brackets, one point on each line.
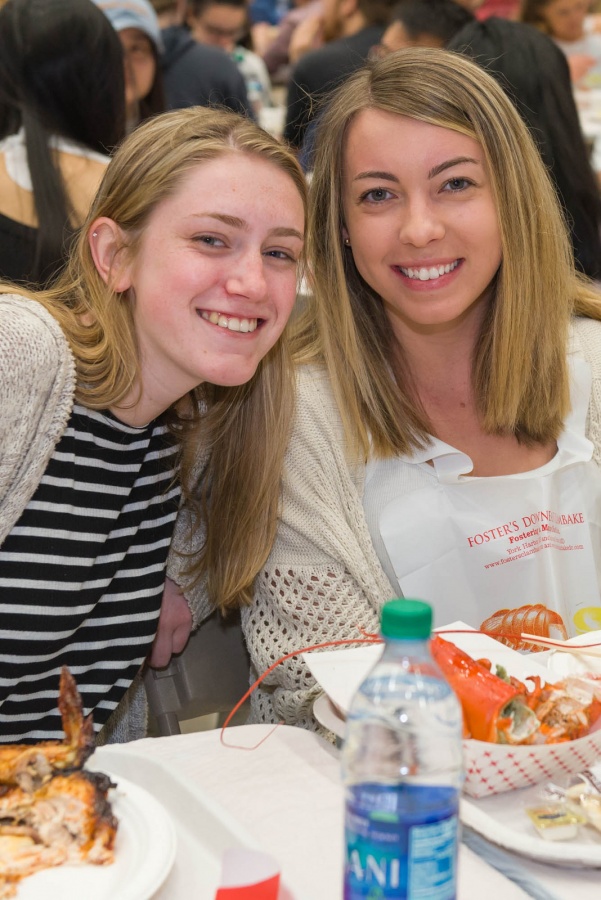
[402, 769]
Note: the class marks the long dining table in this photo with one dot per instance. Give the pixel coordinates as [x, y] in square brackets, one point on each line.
[280, 789]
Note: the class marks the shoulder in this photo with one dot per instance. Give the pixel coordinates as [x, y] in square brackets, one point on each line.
[36, 364]
[215, 63]
[329, 64]
[585, 340]
[315, 398]
[37, 384]
[312, 64]
[318, 431]
[28, 333]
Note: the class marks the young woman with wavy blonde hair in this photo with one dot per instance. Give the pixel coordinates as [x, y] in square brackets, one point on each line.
[155, 367]
[448, 415]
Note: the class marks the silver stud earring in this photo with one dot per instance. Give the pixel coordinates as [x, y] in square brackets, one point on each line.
[347, 242]
[94, 234]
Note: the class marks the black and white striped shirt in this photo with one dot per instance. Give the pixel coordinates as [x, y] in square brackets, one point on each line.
[82, 572]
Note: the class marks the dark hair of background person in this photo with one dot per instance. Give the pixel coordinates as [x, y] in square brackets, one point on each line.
[376, 12]
[61, 73]
[534, 73]
[440, 19]
[197, 6]
[531, 12]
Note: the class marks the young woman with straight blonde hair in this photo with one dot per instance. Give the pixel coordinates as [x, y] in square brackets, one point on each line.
[447, 438]
[160, 345]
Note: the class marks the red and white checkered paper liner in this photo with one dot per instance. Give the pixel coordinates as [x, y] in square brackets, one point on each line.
[490, 768]
[494, 768]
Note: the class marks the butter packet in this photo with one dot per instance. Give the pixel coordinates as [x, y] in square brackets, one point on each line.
[555, 822]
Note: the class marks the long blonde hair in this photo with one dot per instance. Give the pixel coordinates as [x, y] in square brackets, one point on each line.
[244, 429]
[519, 369]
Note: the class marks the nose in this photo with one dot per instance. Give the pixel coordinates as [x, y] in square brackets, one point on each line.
[421, 222]
[247, 278]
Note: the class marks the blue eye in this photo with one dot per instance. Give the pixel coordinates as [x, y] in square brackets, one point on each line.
[454, 185]
[209, 240]
[376, 195]
[281, 254]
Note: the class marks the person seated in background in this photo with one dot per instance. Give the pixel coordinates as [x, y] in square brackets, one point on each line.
[136, 23]
[159, 346]
[535, 75]
[566, 21]
[62, 112]
[297, 33]
[448, 383]
[224, 23]
[424, 23]
[195, 74]
[351, 28]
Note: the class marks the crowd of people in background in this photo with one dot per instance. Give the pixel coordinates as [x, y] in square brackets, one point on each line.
[275, 61]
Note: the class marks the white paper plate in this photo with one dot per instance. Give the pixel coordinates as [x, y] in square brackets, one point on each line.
[144, 853]
[503, 821]
[327, 715]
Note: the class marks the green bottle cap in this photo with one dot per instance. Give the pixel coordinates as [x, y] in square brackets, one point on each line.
[408, 620]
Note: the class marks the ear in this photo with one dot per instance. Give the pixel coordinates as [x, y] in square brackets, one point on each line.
[345, 235]
[106, 242]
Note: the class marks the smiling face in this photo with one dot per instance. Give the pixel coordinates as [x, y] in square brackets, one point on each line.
[213, 279]
[421, 220]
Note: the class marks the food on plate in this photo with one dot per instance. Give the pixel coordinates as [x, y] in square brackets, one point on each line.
[30, 765]
[51, 810]
[504, 710]
[506, 625]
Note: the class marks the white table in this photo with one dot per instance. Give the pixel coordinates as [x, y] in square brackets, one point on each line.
[287, 794]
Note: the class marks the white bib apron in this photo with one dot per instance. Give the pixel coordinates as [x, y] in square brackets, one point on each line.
[507, 553]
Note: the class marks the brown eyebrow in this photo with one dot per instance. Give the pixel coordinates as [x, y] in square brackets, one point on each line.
[383, 176]
[459, 160]
[235, 222]
[287, 232]
[436, 170]
[232, 221]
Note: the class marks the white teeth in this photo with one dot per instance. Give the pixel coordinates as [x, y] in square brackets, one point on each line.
[429, 274]
[232, 324]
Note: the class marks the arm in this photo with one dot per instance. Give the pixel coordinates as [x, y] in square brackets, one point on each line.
[175, 625]
[186, 541]
[322, 580]
[37, 383]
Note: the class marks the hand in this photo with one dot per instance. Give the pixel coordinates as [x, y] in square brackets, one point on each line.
[262, 34]
[175, 625]
[306, 36]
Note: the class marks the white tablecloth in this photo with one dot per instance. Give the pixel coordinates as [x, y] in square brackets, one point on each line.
[287, 794]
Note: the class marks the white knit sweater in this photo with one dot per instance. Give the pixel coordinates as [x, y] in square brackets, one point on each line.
[323, 580]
